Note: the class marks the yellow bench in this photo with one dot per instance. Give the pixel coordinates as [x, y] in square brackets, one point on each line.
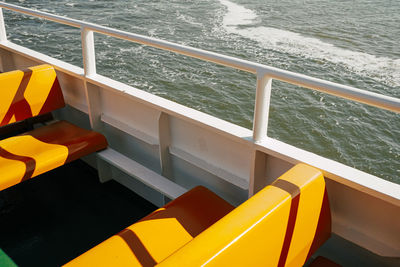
[26, 94]
[282, 225]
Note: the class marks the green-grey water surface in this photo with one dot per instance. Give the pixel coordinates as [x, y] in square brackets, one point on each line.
[350, 42]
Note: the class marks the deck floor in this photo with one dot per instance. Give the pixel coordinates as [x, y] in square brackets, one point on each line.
[51, 219]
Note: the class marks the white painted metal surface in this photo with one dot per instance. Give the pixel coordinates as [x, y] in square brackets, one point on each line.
[261, 108]
[88, 54]
[143, 174]
[3, 35]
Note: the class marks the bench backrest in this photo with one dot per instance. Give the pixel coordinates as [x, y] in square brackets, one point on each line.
[28, 93]
[282, 225]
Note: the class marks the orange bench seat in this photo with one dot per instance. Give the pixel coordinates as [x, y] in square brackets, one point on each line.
[282, 225]
[27, 94]
[158, 235]
[25, 156]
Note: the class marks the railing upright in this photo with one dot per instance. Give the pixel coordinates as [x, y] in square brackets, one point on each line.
[88, 54]
[89, 65]
[3, 34]
[261, 107]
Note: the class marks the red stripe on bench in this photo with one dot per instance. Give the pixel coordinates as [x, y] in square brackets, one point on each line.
[19, 106]
[30, 163]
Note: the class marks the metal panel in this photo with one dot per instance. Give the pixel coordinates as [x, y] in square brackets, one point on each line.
[73, 91]
[143, 174]
[164, 133]
[365, 220]
[212, 152]
[130, 113]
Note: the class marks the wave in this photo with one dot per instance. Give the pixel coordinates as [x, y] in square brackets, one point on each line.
[382, 69]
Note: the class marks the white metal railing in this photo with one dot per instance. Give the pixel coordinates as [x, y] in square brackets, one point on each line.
[265, 74]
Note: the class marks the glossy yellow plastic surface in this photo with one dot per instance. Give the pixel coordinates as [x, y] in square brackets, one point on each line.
[159, 234]
[279, 226]
[15, 172]
[28, 93]
[276, 227]
[45, 157]
[149, 234]
[39, 86]
[9, 83]
[25, 156]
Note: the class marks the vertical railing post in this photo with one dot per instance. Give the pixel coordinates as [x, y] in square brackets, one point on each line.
[89, 60]
[93, 96]
[89, 65]
[3, 35]
[261, 109]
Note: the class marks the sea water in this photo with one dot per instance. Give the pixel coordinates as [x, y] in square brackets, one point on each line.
[355, 43]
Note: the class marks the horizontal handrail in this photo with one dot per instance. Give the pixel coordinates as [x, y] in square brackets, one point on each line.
[343, 91]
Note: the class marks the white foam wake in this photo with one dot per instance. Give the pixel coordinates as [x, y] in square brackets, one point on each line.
[383, 69]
